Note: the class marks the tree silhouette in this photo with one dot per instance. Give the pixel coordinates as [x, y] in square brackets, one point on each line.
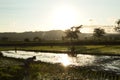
[117, 28]
[72, 34]
[36, 39]
[98, 32]
[27, 40]
[118, 22]
[4, 39]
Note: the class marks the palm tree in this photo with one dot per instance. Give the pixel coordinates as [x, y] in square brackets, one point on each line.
[98, 33]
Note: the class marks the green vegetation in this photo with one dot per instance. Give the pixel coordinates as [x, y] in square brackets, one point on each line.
[36, 48]
[100, 49]
[72, 33]
[117, 28]
[98, 33]
[47, 48]
[84, 49]
[10, 69]
[13, 69]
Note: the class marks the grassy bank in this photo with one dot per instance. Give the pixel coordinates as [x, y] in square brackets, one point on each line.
[86, 49]
[13, 69]
[10, 69]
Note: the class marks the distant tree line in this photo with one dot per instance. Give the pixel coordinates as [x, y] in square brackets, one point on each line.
[72, 34]
[35, 39]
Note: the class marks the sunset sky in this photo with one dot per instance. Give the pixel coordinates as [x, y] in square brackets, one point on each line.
[43, 15]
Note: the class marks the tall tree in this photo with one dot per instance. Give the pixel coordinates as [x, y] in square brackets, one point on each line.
[72, 33]
[98, 33]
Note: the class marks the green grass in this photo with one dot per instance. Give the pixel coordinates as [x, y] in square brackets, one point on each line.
[6, 48]
[104, 49]
[51, 48]
[47, 71]
[10, 69]
[88, 49]
[35, 48]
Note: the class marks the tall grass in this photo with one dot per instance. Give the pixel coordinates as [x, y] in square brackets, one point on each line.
[40, 70]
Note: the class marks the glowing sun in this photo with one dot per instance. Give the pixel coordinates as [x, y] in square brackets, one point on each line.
[64, 17]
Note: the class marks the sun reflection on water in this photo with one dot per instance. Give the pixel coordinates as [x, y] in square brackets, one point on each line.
[65, 60]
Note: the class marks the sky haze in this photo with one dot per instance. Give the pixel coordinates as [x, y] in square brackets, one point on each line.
[42, 15]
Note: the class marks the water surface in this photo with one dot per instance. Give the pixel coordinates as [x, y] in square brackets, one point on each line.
[107, 63]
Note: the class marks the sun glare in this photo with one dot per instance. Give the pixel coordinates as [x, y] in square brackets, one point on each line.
[64, 17]
[65, 60]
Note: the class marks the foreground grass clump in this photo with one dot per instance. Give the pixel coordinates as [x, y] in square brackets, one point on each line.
[14, 69]
[10, 69]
